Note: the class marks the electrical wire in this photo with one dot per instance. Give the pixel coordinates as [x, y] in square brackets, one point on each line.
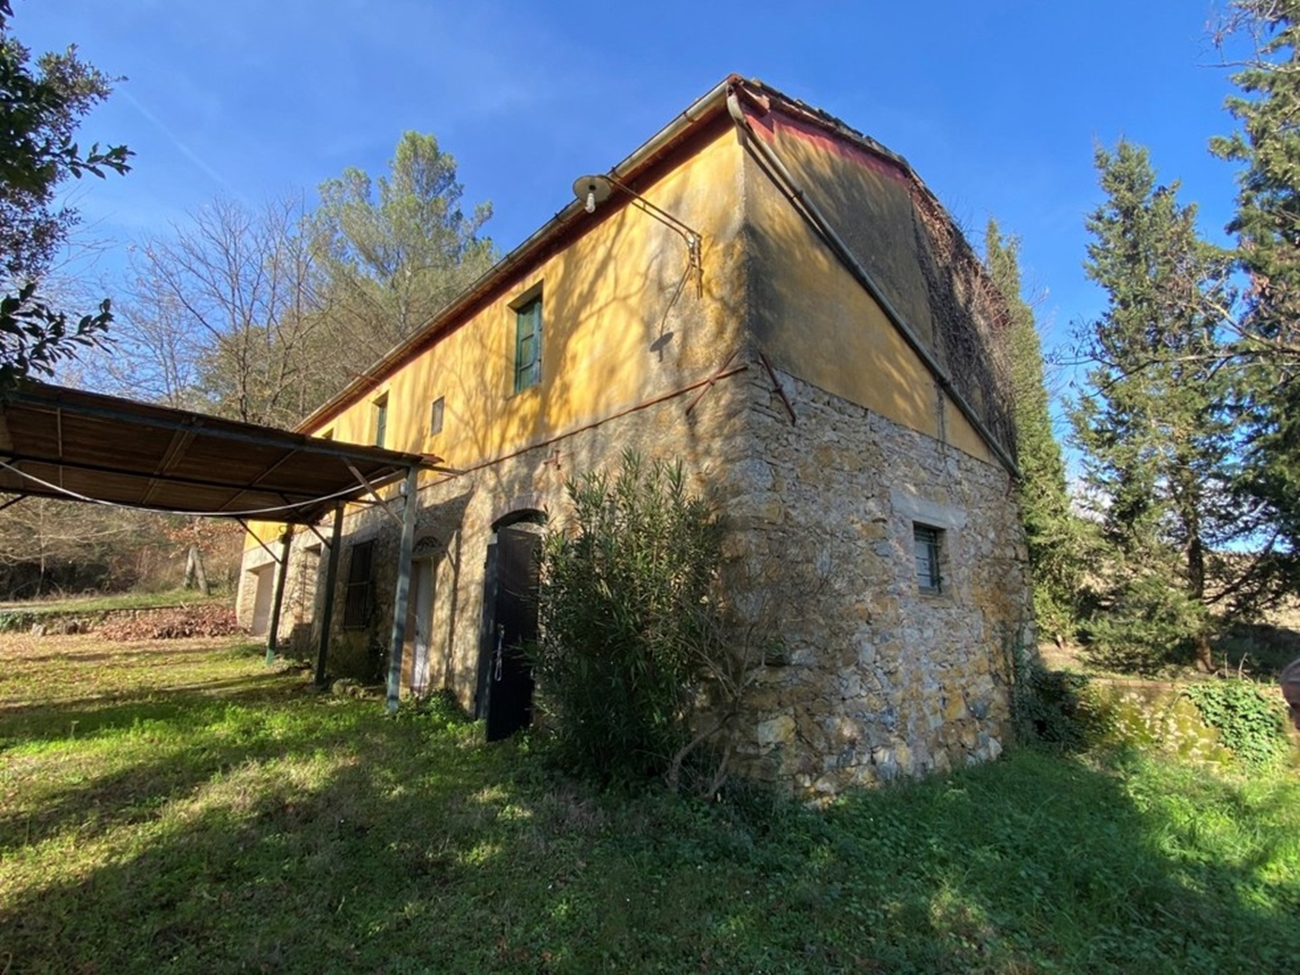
[252, 512]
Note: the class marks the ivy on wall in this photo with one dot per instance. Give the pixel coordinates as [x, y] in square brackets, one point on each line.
[1249, 723]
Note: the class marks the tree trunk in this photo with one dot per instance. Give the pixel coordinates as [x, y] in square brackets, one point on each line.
[1204, 653]
[1194, 552]
[196, 576]
[1195, 562]
[201, 572]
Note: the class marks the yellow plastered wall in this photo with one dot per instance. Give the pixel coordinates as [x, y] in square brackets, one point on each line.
[623, 322]
[812, 318]
[618, 330]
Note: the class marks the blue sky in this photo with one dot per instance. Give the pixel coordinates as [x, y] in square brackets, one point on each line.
[997, 104]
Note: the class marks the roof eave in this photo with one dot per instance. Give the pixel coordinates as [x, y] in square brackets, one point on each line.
[702, 109]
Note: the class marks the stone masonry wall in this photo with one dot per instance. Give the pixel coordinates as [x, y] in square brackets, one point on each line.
[876, 679]
[864, 678]
[457, 516]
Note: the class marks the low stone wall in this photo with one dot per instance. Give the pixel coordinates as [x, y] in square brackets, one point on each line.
[1150, 715]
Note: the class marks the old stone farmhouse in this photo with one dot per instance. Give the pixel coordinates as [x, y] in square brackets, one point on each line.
[781, 303]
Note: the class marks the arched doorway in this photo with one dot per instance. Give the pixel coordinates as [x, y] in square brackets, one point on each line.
[505, 680]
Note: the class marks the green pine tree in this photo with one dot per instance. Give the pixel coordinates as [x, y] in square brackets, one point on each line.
[1267, 224]
[1154, 421]
[1051, 531]
[393, 250]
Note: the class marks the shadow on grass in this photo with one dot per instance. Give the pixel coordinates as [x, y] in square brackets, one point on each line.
[145, 654]
[377, 871]
[311, 834]
[233, 855]
[1044, 863]
[176, 741]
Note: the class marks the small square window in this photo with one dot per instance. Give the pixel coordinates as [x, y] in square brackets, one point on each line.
[928, 543]
[435, 416]
[528, 344]
[381, 420]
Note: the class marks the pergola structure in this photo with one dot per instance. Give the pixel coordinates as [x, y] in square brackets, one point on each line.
[70, 444]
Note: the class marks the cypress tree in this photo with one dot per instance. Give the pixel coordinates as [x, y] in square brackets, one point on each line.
[1050, 530]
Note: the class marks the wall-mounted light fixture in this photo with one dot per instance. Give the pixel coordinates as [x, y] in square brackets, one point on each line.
[594, 190]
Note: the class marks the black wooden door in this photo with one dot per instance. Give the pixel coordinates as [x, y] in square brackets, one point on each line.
[514, 623]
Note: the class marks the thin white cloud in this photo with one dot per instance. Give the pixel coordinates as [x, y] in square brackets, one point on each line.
[194, 158]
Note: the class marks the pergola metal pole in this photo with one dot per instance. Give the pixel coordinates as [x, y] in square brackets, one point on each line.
[331, 577]
[283, 570]
[411, 489]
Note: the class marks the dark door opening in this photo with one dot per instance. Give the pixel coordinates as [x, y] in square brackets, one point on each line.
[512, 589]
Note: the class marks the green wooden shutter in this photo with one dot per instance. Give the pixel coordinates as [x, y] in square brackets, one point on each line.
[381, 421]
[528, 345]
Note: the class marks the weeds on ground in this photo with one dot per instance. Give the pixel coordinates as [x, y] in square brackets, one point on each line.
[1249, 723]
[234, 820]
[1046, 709]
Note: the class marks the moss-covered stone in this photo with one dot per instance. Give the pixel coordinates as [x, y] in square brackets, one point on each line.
[1151, 715]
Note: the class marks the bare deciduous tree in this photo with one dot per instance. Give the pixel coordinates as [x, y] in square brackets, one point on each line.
[222, 315]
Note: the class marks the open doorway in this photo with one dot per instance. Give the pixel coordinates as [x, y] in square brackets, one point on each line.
[419, 624]
[510, 623]
[262, 595]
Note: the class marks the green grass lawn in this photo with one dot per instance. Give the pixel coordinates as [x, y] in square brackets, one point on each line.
[179, 807]
[122, 600]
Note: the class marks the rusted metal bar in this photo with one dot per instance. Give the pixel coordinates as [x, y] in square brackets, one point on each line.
[327, 611]
[374, 493]
[402, 595]
[711, 382]
[778, 388]
[319, 536]
[266, 548]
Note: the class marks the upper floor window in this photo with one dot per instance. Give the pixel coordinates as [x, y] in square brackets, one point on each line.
[928, 542]
[528, 344]
[435, 416]
[381, 420]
